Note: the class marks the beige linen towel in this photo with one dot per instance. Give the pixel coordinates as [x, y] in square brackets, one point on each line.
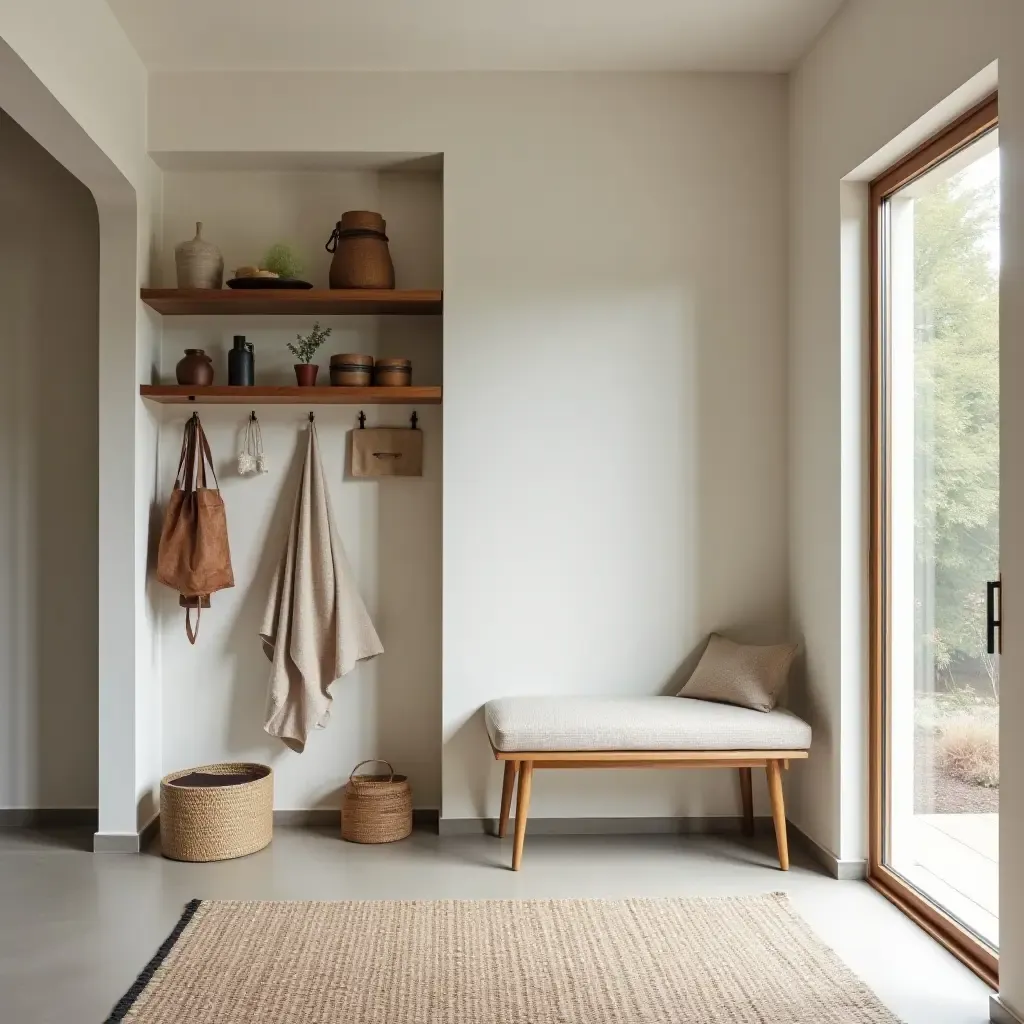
[316, 627]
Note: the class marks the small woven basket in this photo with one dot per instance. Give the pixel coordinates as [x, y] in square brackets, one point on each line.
[376, 808]
[212, 822]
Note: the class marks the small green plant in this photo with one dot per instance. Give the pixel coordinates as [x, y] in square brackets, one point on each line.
[283, 261]
[307, 346]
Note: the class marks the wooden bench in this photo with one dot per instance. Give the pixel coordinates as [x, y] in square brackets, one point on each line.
[528, 733]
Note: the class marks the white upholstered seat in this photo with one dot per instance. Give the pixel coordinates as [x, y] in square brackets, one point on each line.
[638, 723]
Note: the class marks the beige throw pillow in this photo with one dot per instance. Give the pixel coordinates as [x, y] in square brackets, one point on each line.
[731, 673]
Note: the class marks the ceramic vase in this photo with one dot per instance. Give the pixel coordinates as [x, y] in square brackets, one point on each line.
[196, 368]
[199, 263]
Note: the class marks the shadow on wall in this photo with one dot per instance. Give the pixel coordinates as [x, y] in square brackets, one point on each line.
[49, 470]
[408, 689]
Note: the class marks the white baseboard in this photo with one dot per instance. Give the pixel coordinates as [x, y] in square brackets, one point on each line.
[1000, 1013]
[126, 842]
[116, 842]
[849, 870]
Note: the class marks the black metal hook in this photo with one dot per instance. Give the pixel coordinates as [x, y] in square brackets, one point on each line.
[310, 417]
[415, 420]
[362, 420]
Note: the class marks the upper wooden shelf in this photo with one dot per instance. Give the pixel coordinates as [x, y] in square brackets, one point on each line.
[177, 394]
[319, 301]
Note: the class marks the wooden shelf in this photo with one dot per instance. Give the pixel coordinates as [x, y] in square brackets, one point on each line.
[176, 394]
[316, 301]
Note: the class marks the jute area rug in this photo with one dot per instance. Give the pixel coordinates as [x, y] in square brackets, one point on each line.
[746, 960]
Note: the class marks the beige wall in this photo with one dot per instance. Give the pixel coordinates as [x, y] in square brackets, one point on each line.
[851, 96]
[70, 77]
[49, 246]
[614, 346]
[213, 705]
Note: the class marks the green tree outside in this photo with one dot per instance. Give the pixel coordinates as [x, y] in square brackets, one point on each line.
[957, 408]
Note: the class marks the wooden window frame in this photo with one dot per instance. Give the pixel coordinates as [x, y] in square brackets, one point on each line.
[980, 958]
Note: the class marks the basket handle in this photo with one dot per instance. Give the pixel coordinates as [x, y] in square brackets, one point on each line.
[373, 760]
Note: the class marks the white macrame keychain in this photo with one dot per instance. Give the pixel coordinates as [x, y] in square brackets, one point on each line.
[251, 458]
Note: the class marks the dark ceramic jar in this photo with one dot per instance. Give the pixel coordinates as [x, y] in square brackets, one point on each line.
[195, 369]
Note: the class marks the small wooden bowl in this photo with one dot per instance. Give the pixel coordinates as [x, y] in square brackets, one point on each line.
[392, 373]
[351, 370]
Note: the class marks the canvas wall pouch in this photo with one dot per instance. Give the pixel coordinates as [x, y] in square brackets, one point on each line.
[194, 558]
[387, 451]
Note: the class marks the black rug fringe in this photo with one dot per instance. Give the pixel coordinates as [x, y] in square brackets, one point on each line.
[127, 1001]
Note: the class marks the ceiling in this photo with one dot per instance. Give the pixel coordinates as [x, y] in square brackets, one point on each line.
[463, 35]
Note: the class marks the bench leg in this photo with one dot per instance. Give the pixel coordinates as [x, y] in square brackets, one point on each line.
[747, 794]
[774, 769]
[522, 810]
[507, 785]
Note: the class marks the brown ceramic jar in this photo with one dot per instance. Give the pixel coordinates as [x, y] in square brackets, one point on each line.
[195, 369]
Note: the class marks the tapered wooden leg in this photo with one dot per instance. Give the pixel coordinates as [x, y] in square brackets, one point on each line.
[507, 785]
[774, 770]
[747, 793]
[522, 810]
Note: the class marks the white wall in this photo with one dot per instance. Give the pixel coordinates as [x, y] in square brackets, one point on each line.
[215, 695]
[851, 96]
[49, 235]
[614, 345]
[81, 92]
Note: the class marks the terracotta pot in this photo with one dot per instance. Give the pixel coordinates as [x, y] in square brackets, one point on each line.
[305, 374]
[195, 369]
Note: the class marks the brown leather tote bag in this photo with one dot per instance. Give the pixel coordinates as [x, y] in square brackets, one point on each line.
[194, 558]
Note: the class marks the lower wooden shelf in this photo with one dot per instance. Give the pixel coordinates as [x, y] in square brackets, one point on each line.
[178, 394]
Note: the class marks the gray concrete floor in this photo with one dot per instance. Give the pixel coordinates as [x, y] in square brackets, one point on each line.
[76, 928]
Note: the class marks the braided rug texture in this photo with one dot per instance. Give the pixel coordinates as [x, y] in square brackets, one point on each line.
[745, 960]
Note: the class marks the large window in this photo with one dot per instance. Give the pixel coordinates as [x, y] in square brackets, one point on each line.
[935, 537]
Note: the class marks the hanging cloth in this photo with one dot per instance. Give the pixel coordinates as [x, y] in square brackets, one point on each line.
[316, 627]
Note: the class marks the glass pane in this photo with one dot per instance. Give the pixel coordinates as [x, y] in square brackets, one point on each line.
[942, 287]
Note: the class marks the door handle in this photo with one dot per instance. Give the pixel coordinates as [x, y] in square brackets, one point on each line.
[992, 623]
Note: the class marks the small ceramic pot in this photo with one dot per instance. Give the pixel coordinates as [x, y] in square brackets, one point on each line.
[305, 374]
[196, 368]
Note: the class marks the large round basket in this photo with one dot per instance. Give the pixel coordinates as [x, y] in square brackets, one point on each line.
[376, 808]
[216, 812]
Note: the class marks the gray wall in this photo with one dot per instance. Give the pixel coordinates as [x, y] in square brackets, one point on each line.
[49, 336]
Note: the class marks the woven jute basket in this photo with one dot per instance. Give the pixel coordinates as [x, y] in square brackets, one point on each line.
[376, 808]
[211, 822]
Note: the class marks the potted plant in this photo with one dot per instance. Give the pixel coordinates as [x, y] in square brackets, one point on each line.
[305, 371]
[282, 260]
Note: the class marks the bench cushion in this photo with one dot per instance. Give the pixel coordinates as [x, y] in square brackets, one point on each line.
[638, 723]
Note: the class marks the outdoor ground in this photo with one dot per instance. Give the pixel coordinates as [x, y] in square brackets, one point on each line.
[953, 850]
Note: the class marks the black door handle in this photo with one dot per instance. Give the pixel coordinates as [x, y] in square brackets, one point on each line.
[992, 622]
